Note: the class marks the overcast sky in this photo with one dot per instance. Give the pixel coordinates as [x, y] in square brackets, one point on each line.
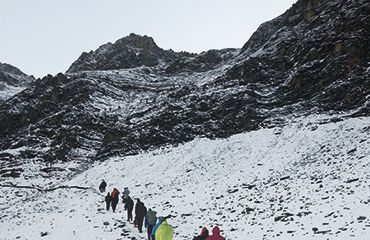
[46, 36]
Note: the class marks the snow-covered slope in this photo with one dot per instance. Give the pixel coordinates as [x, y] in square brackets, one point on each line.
[278, 178]
[276, 183]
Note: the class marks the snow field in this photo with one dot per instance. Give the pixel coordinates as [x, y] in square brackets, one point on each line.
[307, 180]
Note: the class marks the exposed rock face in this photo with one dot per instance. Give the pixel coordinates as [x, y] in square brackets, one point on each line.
[129, 52]
[316, 52]
[202, 62]
[132, 95]
[12, 81]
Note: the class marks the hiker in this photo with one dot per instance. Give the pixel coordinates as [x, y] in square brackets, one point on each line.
[150, 221]
[125, 194]
[102, 186]
[159, 221]
[164, 231]
[215, 234]
[108, 200]
[129, 206]
[115, 198]
[140, 211]
[203, 234]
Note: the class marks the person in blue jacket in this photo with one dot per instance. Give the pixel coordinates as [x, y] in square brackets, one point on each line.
[159, 221]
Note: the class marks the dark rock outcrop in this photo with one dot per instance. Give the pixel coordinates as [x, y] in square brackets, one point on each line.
[315, 54]
[129, 52]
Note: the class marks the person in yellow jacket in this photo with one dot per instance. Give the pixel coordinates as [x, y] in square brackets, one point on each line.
[164, 231]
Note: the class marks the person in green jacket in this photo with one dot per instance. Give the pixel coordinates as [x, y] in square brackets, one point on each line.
[164, 231]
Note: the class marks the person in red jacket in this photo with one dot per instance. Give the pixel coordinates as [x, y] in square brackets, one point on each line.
[215, 234]
[203, 234]
[115, 198]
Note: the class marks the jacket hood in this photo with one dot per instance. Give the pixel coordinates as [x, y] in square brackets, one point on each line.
[216, 231]
[204, 232]
[151, 211]
[164, 222]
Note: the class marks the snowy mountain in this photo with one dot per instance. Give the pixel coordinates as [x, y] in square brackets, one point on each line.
[272, 136]
[12, 81]
[311, 59]
[306, 180]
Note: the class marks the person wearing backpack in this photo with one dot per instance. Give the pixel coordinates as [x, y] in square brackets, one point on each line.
[125, 194]
[150, 221]
[115, 198]
[154, 230]
[164, 231]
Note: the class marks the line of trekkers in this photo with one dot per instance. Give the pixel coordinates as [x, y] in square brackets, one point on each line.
[157, 227]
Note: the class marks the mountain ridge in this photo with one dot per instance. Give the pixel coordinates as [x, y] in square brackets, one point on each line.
[128, 52]
[299, 69]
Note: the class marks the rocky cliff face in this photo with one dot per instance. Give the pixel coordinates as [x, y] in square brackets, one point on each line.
[132, 95]
[315, 54]
[128, 52]
[141, 51]
[12, 81]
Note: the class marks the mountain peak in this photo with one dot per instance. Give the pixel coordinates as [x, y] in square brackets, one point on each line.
[4, 67]
[138, 41]
[128, 52]
[12, 81]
